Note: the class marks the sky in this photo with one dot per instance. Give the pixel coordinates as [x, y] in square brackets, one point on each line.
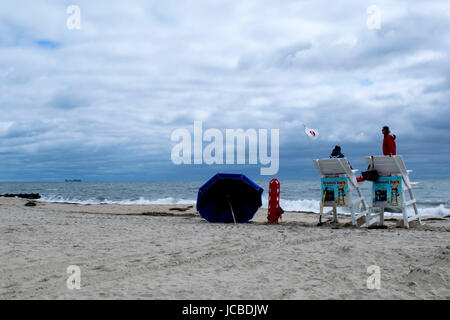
[100, 102]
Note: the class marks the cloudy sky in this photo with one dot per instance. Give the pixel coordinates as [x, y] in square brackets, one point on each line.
[101, 102]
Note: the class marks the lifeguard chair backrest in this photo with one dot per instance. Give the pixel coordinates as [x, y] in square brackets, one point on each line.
[333, 166]
[336, 167]
[387, 165]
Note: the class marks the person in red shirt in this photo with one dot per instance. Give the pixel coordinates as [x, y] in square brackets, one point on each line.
[389, 146]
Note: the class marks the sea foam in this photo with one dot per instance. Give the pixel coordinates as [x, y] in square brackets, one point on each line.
[287, 205]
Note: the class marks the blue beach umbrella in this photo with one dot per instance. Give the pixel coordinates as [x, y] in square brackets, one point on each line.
[228, 198]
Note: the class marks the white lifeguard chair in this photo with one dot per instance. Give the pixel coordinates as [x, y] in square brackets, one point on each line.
[392, 171]
[339, 168]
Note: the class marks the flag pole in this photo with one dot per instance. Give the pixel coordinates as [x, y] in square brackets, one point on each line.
[310, 144]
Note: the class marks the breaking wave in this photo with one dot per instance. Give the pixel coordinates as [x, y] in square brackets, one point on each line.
[288, 205]
[101, 200]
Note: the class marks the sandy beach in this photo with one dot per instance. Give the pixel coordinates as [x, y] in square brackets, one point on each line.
[170, 252]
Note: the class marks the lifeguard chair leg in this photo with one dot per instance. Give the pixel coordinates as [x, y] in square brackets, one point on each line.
[335, 214]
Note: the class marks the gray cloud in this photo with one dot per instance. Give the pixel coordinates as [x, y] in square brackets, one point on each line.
[102, 101]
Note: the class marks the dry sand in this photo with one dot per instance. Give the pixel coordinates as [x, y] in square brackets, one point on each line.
[170, 252]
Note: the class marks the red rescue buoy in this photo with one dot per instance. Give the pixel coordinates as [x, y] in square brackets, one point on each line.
[274, 209]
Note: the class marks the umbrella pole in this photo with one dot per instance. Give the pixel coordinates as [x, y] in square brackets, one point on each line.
[232, 212]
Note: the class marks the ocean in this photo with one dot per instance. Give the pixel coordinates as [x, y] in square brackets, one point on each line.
[433, 195]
